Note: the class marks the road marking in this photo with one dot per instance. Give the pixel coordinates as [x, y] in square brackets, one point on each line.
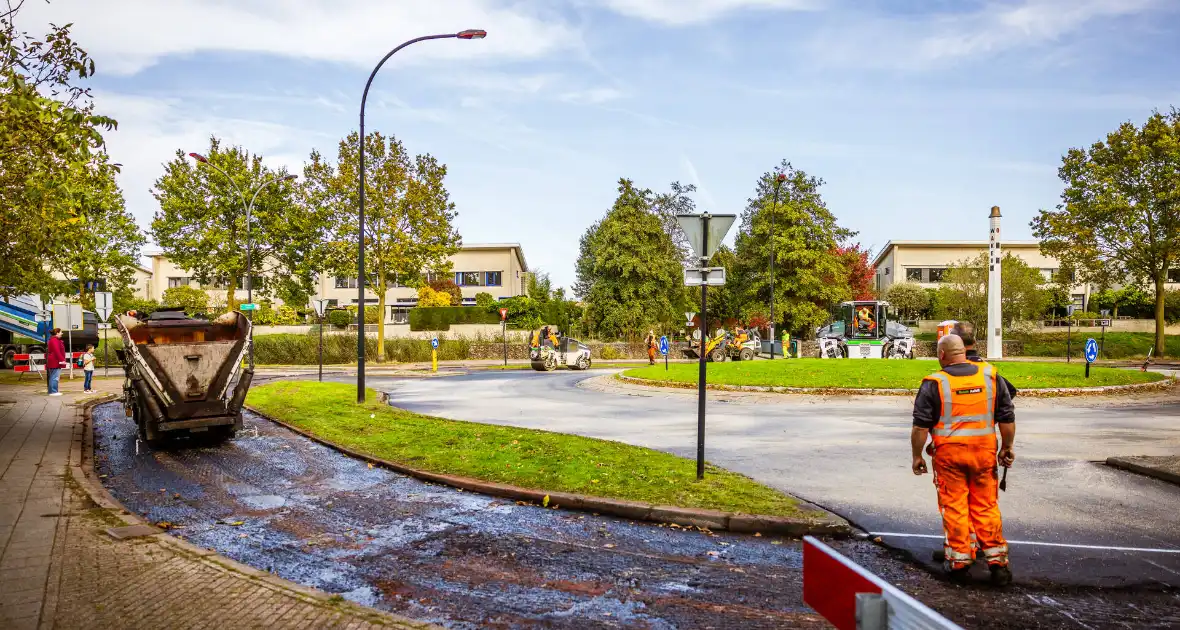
[1040, 544]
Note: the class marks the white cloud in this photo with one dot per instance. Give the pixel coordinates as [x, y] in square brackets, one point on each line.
[684, 12]
[593, 96]
[127, 36]
[921, 42]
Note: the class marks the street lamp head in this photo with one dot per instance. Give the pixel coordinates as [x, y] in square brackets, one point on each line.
[198, 157]
[782, 177]
[289, 178]
[472, 34]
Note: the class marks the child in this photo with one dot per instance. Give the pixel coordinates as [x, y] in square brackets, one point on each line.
[88, 367]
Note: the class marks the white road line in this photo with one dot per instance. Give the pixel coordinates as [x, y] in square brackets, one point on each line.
[1040, 544]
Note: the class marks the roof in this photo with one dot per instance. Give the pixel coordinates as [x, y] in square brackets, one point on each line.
[931, 244]
[514, 246]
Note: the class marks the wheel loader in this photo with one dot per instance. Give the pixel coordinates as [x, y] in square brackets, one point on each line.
[742, 346]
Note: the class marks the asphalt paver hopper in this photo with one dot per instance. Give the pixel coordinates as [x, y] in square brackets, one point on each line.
[184, 375]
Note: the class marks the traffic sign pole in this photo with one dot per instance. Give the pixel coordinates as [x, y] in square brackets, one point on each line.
[434, 354]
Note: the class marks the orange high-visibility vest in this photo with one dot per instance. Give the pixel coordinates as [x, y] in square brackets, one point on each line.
[968, 408]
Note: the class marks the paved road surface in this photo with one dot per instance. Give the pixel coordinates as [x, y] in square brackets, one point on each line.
[851, 455]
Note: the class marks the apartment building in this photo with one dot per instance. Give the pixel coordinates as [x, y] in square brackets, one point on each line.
[925, 262]
[496, 268]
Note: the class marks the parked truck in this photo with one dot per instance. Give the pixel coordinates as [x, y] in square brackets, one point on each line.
[26, 323]
[184, 376]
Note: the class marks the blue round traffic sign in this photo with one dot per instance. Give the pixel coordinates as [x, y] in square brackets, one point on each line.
[1091, 351]
[664, 344]
[434, 342]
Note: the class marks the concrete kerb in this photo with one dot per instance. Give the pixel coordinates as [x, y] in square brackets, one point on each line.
[1052, 392]
[826, 525]
[82, 471]
[1142, 468]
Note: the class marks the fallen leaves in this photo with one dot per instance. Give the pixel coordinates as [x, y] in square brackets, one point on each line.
[545, 501]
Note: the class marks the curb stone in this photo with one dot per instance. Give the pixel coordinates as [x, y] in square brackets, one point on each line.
[824, 524]
[1051, 392]
[1138, 465]
[87, 480]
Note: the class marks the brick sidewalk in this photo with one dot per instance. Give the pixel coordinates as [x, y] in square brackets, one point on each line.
[59, 569]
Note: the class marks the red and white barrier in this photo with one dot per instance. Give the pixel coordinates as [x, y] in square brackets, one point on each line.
[36, 362]
[852, 598]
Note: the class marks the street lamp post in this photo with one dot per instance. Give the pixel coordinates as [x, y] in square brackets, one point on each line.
[778, 185]
[249, 242]
[360, 232]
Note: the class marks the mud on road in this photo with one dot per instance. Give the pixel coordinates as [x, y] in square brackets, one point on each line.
[279, 502]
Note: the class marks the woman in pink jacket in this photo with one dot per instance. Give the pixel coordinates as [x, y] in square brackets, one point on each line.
[55, 360]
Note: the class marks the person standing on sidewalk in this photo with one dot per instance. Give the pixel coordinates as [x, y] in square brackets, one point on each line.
[88, 368]
[55, 360]
[960, 407]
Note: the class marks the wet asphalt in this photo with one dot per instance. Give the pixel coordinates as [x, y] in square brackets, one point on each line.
[278, 502]
[851, 455]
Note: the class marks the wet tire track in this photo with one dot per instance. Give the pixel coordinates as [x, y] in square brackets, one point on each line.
[279, 502]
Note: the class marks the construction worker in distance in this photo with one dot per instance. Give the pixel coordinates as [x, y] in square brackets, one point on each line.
[651, 347]
[959, 408]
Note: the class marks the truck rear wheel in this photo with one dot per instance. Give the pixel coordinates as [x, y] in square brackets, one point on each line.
[9, 361]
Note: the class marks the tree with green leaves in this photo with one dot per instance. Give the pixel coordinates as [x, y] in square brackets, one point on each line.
[201, 224]
[965, 287]
[409, 217]
[910, 299]
[104, 244]
[50, 145]
[810, 274]
[540, 287]
[194, 301]
[1119, 217]
[725, 302]
[629, 270]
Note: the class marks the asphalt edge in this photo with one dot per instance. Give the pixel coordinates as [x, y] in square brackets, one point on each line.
[81, 469]
[1149, 471]
[830, 525]
[1054, 392]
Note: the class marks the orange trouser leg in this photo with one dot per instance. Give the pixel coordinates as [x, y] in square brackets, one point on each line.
[984, 506]
[951, 479]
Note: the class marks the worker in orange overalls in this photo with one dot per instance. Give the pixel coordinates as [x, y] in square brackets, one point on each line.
[651, 347]
[959, 408]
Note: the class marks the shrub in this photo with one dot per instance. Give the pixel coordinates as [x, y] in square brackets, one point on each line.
[429, 298]
[441, 318]
[450, 288]
[485, 300]
[340, 318]
[1083, 315]
[268, 315]
[289, 349]
[610, 353]
[372, 313]
[523, 312]
[191, 299]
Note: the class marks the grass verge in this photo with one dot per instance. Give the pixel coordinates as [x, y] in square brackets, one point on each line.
[539, 460]
[882, 374]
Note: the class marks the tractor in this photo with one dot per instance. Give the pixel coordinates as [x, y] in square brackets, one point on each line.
[865, 330]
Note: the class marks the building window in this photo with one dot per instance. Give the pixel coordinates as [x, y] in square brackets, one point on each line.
[345, 282]
[1174, 275]
[469, 278]
[936, 274]
[913, 274]
[493, 278]
[399, 315]
[177, 282]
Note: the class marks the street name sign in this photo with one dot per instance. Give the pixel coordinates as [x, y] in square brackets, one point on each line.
[247, 307]
[707, 276]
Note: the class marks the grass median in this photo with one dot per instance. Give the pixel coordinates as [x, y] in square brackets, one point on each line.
[884, 374]
[540, 460]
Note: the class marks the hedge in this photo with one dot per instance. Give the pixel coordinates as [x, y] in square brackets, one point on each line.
[440, 318]
[291, 349]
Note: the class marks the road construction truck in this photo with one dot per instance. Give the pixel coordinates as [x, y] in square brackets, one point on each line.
[26, 323]
[184, 376]
[548, 350]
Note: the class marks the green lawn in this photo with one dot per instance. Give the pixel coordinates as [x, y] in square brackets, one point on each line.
[884, 374]
[532, 459]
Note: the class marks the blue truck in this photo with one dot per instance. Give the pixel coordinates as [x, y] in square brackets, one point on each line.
[25, 325]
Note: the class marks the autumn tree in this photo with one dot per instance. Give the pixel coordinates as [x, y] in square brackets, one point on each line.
[409, 217]
[859, 274]
[1120, 211]
[201, 224]
[629, 269]
[50, 145]
[806, 240]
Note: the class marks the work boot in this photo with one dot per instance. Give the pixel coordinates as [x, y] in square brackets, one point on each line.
[1001, 574]
[959, 576]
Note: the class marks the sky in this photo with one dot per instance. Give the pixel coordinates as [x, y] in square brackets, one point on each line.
[918, 115]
